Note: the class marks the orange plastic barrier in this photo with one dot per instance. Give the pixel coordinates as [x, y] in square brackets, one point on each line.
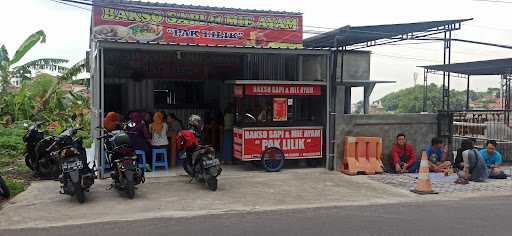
[362, 156]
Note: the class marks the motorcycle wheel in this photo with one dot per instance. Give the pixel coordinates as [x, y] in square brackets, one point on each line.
[28, 162]
[4, 190]
[211, 182]
[78, 192]
[188, 168]
[48, 168]
[130, 185]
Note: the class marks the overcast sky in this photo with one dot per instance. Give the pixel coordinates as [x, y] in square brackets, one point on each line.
[67, 30]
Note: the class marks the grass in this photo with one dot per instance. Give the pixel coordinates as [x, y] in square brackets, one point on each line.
[16, 186]
[16, 174]
[12, 165]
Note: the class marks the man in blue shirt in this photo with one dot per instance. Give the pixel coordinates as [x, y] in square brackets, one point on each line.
[492, 160]
[437, 154]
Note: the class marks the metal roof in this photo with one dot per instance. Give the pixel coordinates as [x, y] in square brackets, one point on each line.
[487, 67]
[264, 82]
[359, 83]
[126, 44]
[192, 7]
[366, 36]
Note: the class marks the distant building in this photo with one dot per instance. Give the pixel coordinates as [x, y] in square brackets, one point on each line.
[76, 88]
[377, 108]
[16, 82]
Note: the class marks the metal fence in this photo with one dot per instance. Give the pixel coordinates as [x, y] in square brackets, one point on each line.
[480, 125]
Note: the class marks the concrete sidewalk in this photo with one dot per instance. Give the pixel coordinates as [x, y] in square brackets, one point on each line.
[239, 191]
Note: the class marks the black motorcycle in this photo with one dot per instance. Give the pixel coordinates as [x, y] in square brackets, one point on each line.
[126, 173]
[4, 190]
[202, 166]
[76, 176]
[36, 156]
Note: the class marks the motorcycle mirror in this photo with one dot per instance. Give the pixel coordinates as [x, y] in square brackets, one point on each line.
[250, 117]
[131, 124]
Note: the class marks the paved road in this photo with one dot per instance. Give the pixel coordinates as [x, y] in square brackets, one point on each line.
[491, 216]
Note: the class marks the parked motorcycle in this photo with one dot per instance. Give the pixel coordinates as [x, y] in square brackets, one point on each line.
[200, 162]
[4, 190]
[36, 156]
[126, 173]
[76, 176]
[202, 166]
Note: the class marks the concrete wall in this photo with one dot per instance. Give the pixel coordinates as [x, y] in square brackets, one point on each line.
[356, 66]
[419, 129]
[314, 67]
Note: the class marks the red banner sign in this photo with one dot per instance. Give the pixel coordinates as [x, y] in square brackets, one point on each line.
[282, 90]
[197, 26]
[295, 142]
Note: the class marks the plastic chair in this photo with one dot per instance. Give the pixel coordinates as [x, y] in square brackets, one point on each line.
[157, 162]
[141, 162]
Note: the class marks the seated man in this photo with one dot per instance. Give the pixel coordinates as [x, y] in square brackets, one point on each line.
[403, 156]
[437, 154]
[493, 160]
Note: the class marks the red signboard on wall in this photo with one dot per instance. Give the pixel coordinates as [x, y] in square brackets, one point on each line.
[197, 26]
[282, 90]
[280, 108]
[295, 142]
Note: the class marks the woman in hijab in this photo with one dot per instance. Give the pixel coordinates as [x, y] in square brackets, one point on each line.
[174, 128]
[158, 130]
[473, 163]
[111, 121]
[139, 135]
[147, 118]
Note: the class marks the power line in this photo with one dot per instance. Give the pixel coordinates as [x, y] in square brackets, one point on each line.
[431, 49]
[404, 57]
[156, 24]
[492, 1]
[68, 4]
[130, 7]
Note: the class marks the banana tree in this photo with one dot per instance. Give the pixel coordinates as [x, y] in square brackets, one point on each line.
[9, 68]
[66, 76]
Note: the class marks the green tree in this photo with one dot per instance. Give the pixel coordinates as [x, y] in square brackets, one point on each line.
[9, 68]
[410, 100]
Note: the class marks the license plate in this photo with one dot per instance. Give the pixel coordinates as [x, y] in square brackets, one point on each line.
[72, 165]
[210, 163]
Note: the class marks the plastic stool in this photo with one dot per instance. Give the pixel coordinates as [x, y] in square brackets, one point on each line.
[160, 163]
[179, 161]
[104, 162]
[141, 163]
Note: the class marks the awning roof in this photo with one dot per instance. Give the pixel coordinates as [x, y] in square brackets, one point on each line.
[488, 67]
[366, 36]
[124, 44]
